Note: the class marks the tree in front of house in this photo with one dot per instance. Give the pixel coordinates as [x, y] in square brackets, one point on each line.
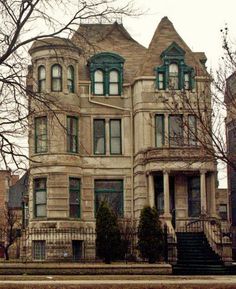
[108, 237]
[9, 230]
[150, 235]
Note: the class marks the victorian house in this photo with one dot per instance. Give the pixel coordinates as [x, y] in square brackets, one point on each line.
[117, 129]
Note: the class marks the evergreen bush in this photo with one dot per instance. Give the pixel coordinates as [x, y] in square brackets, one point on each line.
[150, 235]
[108, 237]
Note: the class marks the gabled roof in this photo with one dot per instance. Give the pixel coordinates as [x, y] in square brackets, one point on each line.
[112, 38]
[163, 37]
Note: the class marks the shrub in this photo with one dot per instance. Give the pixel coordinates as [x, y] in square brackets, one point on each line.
[150, 235]
[108, 238]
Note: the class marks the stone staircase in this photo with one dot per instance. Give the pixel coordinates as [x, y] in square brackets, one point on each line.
[196, 257]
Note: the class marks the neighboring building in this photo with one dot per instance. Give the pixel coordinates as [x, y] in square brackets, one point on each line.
[7, 179]
[117, 138]
[230, 96]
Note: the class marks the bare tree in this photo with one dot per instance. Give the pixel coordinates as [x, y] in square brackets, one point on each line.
[9, 230]
[23, 22]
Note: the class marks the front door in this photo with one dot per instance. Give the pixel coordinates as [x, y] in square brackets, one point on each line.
[194, 200]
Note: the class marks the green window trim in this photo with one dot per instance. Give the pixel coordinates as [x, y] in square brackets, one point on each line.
[56, 78]
[174, 54]
[74, 202]
[107, 62]
[116, 137]
[99, 137]
[159, 130]
[117, 190]
[72, 134]
[71, 79]
[40, 202]
[40, 139]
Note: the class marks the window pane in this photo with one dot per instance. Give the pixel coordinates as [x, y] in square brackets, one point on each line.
[194, 203]
[115, 128]
[74, 197]
[186, 81]
[176, 130]
[99, 136]
[115, 146]
[41, 210]
[160, 81]
[114, 88]
[42, 85]
[56, 71]
[42, 72]
[40, 197]
[114, 76]
[74, 211]
[159, 130]
[112, 193]
[74, 183]
[98, 76]
[41, 134]
[56, 84]
[192, 123]
[40, 184]
[98, 88]
[72, 134]
[173, 76]
[39, 250]
[70, 73]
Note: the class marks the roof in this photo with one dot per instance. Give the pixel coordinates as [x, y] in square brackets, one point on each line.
[18, 191]
[163, 37]
[113, 38]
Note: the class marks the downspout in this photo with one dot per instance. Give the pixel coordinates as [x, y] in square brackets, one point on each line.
[131, 145]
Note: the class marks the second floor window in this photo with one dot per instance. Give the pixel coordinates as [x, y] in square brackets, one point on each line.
[115, 136]
[41, 134]
[176, 130]
[40, 197]
[72, 134]
[41, 78]
[160, 130]
[98, 82]
[56, 77]
[114, 82]
[99, 137]
[192, 130]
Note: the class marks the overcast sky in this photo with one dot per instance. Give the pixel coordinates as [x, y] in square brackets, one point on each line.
[198, 22]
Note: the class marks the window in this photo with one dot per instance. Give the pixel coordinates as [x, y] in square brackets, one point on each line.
[110, 191]
[39, 250]
[115, 136]
[40, 197]
[98, 82]
[41, 78]
[194, 202]
[56, 74]
[223, 211]
[176, 130]
[173, 76]
[106, 72]
[113, 82]
[70, 79]
[41, 134]
[74, 186]
[174, 73]
[72, 134]
[192, 130]
[99, 137]
[160, 135]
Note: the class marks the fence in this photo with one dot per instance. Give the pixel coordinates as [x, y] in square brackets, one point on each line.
[71, 245]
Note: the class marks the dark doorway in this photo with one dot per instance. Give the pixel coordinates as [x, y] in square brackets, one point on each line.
[77, 249]
[194, 201]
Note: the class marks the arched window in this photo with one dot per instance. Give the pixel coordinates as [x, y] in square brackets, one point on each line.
[98, 82]
[113, 82]
[70, 79]
[173, 76]
[56, 74]
[41, 78]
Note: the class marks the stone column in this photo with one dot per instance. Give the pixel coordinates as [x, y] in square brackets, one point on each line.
[151, 192]
[166, 195]
[203, 192]
[166, 130]
[213, 194]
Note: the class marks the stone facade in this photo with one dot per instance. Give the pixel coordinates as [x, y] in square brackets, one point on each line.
[138, 168]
